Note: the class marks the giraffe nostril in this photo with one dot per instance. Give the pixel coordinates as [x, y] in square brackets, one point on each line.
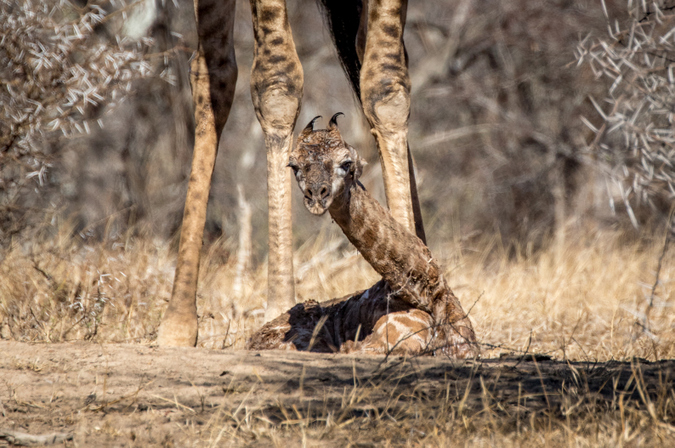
[324, 193]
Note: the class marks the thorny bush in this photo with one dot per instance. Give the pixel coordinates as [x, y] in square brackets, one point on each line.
[638, 57]
[58, 65]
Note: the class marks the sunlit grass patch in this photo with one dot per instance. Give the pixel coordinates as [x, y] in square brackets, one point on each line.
[588, 301]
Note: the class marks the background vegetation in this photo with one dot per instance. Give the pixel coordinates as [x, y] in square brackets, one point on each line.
[543, 138]
[505, 104]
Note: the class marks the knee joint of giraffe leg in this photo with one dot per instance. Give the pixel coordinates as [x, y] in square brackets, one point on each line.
[389, 112]
[277, 110]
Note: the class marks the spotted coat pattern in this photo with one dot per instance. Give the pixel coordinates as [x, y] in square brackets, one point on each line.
[411, 310]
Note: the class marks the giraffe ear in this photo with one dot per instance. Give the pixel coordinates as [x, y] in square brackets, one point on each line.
[308, 129]
[358, 167]
[359, 163]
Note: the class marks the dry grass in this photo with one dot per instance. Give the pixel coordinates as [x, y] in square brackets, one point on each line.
[588, 302]
[394, 410]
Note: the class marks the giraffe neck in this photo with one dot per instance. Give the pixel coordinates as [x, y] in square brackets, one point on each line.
[400, 257]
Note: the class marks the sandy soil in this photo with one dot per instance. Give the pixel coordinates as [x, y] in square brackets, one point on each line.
[133, 395]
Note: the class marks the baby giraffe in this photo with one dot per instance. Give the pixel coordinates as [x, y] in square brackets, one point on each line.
[411, 310]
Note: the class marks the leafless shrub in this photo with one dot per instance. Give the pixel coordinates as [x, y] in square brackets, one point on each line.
[638, 57]
[495, 122]
[57, 66]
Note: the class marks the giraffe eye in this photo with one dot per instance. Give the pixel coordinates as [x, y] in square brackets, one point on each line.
[294, 167]
[346, 165]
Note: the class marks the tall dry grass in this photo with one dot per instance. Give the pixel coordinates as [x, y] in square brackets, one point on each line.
[588, 301]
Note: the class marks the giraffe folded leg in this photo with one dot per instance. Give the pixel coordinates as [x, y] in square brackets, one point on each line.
[276, 90]
[213, 75]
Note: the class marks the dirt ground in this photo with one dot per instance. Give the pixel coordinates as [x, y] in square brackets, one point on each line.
[134, 395]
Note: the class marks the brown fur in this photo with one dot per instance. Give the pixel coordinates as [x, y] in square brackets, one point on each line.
[370, 321]
[413, 304]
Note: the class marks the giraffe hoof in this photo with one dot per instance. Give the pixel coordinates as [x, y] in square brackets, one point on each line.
[176, 335]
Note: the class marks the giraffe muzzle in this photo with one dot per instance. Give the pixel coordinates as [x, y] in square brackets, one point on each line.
[318, 198]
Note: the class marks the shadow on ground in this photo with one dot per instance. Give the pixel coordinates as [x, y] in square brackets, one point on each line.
[132, 395]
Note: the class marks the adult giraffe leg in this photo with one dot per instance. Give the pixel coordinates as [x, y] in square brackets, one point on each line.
[276, 90]
[213, 75]
[385, 96]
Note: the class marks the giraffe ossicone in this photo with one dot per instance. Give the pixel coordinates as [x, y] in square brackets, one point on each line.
[411, 310]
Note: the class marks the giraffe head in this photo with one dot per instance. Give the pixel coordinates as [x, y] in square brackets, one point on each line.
[324, 165]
